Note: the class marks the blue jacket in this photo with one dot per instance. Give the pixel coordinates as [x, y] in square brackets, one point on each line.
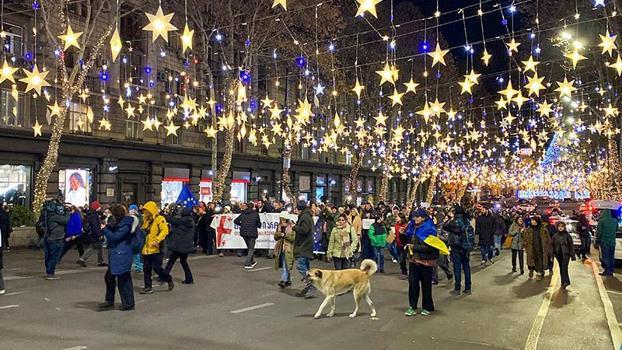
[119, 237]
[74, 225]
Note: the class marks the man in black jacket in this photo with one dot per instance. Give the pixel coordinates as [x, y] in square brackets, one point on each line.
[303, 246]
[485, 227]
[94, 237]
[249, 222]
[180, 242]
[54, 238]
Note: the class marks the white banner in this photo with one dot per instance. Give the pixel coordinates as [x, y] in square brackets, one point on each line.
[367, 223]
[228, 233]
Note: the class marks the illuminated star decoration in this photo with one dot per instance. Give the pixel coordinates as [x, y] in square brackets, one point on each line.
[35, 79]
[358, 88]
[283, 4]
[396, 98]
[55, 109]
[159, 24]
[367, 6]
[608, 43]
[575, 57]
[411, 86]
[37, 128]
[438, 55]
[386, 74]
[617, 66]
[535, 85]
[70, 38]
[115, 45]
[565, 88]
[530, 65]
[186, 39]
[512, 46]
[7, 72]
[486, 57]
[171, 129]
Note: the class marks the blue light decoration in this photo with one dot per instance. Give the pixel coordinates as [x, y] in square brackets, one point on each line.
[28, 56]
[552, 152]
[245, 77]
[252, 104]
[148, 70]
[106, 108]
[218, 37]
[186, 63]
[504, 22]
[219, 108]
[424, 46]
[301, 61]
[36, 5]
[103, 76]
[247, 43]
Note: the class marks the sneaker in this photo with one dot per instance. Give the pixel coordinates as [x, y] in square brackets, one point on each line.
[221, 254]
[466, 291]
[450, 277]
[171, 284]
[105, 305]
[381, 271]
[187, 282]
[102, 264]
[513, 269]
[425, 312]
[483, 263]
[146, 291]
[126, 308]
[410, 312]
[492, 261]
[394, 261]
[403, 277]
[288, 283]
[81, 262]
[455, 292]
[51, 277]
[530, 273]
[282, 284]
[2, 291]
[253, 264]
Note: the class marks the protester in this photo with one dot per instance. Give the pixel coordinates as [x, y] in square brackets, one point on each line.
[93, 237]
[342, 244]
[537, 247]
[137, 264]
[249, 222]
[584, 230]
[563, 250]
[73, 233]
[284, 236]
[180, 242]
[118, 232]
[460, 239]
[606, 238]
[400, 241]
[156, 230]
[54, 238]
[422, 258]
[517, 231]
[303, 247]
[378, 240]
[485, 228]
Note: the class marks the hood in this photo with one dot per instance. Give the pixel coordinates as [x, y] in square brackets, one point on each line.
[152, 208]
[186, 212]
[606, 214]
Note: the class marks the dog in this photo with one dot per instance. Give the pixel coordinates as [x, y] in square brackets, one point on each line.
[336, 282]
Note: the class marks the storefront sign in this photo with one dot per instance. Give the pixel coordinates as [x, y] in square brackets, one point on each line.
[205, 192]
[555, 194]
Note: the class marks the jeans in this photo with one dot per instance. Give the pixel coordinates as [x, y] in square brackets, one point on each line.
[498, 245]
[608, 258]
[379, 257]
[302, 265]
[443, 263]
[487, 252]
[393, 251]
[183, 258]
[402, 259]
[69, 244]
[585, 246]
[341, 263]
[250, 244]
[460, 259]
[94, 246]
[366, 248]
[420, 279]
[285, 275]
[154, 262]
[521, 257]
[563, 268]
[126, 288]
[138, 263]
[53, 250]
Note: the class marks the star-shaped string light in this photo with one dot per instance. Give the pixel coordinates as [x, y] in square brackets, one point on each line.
[186, 39]
[35, 80]
[7, 72]
[115, 45]
[37, 128]
[530, 65]
[396, 98]
[70, 38]
[55, 109]
[575, 57]
[367, 6]
[438, 55]
[358, 88]
[486, 57]
[608, 43]
[512, 46]
[283, 4]
[544, 109]
[617, 66]
[386, 74]
[159, 24]
[535, 84]
[565, 88]
[171, 129]
[130, 111]
[411, 86]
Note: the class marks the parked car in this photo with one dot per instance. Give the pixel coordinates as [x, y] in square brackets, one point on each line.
[616, 206]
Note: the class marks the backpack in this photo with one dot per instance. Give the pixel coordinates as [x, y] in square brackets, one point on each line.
[468, 237]
[41, 226]
[137, 241]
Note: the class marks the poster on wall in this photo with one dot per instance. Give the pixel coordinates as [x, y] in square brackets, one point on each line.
[76, 187]
[238, 191]
[171, 191]
[205, 191]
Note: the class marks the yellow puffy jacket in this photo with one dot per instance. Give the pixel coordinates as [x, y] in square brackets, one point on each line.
[155, 227]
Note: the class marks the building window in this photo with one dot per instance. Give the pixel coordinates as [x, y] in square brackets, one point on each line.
[305, 154]
[15, 184]
[11, 111]
[12, 42]
[174, 139]
[131, 129]
[80, 118]
[348, 158]
[239, 146]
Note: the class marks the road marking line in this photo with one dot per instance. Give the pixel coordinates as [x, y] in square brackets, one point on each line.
[8, 306]
[538, 322]
[610, 315]
[614, 292]
[79, 347]
[14, 293]
[202, 257]
[14, 278]
[250, 308]
[260, 269]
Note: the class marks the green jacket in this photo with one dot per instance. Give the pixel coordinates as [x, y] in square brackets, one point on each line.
[343, 242]
[606, 229]
[378, 235]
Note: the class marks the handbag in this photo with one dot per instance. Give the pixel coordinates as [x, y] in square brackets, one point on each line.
[391, 236]
[507, 244]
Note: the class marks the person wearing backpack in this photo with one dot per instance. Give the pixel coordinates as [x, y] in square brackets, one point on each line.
[54, 238]
[180, 242]
[156, 231]
[460, 239]
[342, 244]
[378, 238]
[93, 238]
[119, 231]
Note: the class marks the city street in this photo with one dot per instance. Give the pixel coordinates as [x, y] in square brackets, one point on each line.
[232, 308]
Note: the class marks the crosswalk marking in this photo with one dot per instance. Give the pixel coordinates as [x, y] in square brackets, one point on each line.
[250, 308]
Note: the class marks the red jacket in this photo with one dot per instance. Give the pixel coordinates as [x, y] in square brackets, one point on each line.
[400, 238]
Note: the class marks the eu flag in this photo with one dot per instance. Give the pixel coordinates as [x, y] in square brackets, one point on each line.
[186, 198]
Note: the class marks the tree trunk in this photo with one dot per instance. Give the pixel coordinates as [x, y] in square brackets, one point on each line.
[224, 167]
[384, 180]
[354, 173]
[413, 191]
[286, 180]
[431, 187]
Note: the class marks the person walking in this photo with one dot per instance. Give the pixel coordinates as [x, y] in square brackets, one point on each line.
[156, 230]
[584, 230]
[563, 250]
[93, 238]
[118, 232]
[485, 228]
[53, 242]
[180, 243]
[342, 244]
[378, 240]
[137, 264]
[303, 247]
[5, 228]
[460, 239]
[400, 241]
[284, 237]
[73, 233]
[606, 237]
[249, 222]
[537, 247]
[422, 258]
[516, 231]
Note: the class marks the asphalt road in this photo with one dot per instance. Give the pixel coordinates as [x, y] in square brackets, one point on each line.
[232, 308]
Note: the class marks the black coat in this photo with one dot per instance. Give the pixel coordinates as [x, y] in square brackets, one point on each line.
[485, 227]
[5, 227]
[93, 225]
[181, 238]
[249, 222]
[423, 251]
[303, 243]
[563, 246]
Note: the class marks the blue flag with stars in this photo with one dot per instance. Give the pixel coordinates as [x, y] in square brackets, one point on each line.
[186, 198]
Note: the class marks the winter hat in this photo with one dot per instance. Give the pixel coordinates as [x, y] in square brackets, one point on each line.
[95, 205]
[302, 205]
[133, 207]
[422, 213]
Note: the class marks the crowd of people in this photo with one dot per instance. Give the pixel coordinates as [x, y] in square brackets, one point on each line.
[147, 239]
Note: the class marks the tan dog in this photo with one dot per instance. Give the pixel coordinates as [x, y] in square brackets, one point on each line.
[336, 282]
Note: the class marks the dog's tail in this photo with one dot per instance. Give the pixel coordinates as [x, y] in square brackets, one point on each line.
[369, 267]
